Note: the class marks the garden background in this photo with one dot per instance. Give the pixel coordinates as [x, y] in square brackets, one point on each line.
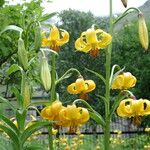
[127, 52]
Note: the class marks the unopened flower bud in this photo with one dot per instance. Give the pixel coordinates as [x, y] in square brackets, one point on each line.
[124, 2]
[22, 54]
[45, 74]
[25, 92]
[143, 33]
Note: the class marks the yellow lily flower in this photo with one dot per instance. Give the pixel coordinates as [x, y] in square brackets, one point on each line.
[72, 116]
[81, 86]
[92, 40]
[124, 81]
[52, 112]
[56, 38]
[134, 108]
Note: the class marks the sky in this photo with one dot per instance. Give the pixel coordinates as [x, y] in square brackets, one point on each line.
[97, 7]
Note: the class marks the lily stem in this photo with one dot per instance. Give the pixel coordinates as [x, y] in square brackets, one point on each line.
[53, 75]
[50, 137]
[52, 97]
[107, 90]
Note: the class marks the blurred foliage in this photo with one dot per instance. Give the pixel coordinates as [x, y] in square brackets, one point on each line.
[28, 16]
[128, 53]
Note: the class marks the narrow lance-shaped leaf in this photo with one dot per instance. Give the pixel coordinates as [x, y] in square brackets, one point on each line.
[47, 16]
[94, 115]
[33, 128]
[98, 119]
[37, 38]
[6, 101]
[98, 75]
[18, 96]
[21, 118]
[12, 135]
[13, 68]
[12, 27]
[10, 124]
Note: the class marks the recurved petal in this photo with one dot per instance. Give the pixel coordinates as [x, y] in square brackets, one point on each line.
[129, 80]
[125, 108]
[105, 40]
[46, 113]
[84, 115]
[80, 46]
[45, 41]
[118, 82]
[72, 89]
[56, 107]
[144, 107]
[64, 39]
[91, 36]
[54, 33]
[91, 86]
[80, 85]
[72, 112]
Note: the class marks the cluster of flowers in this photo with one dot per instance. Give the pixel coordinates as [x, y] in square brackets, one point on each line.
[90, 41]
[130, 107]
[70, 116]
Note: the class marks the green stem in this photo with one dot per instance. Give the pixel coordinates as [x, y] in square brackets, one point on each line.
[126, 13]
[26, 34]
[66, 73]
[107, 90]
[53, 73]
[52, 98]
[50, 137]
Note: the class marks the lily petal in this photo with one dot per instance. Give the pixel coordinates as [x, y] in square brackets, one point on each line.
[82, 47]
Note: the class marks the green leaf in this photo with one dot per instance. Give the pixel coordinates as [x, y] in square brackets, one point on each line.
[12, 135]
[97, 74]
[113, 76]
[94, 115]
[67, 74]
[13, 68]
[10, 124]
[122, 95]
[21, 118]
[103, 98]
[33, 147]
[47, 16]
[6, 101]
[33, 128]
[12, 27]
[18, 96]
[49, 50]
[97, 118]
[41, 103]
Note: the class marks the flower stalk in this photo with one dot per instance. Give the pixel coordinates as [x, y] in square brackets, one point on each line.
[107, 89]
[53, 77]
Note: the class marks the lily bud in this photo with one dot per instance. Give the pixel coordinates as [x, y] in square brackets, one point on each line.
[22, 54]
[143, 33]
[25, 91]
[124, 2]
[45, 74]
